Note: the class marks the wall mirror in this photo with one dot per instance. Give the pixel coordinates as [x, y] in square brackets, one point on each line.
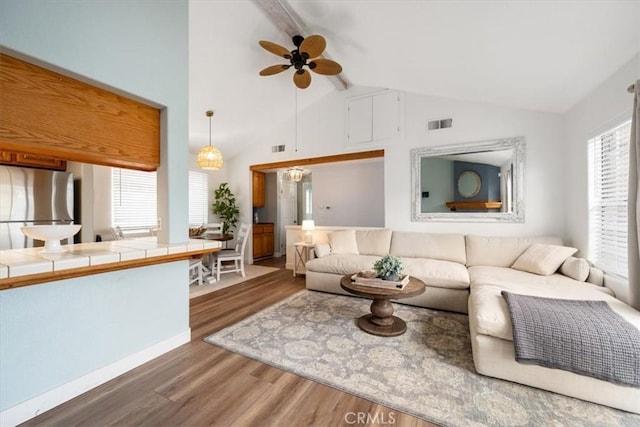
[478, 181]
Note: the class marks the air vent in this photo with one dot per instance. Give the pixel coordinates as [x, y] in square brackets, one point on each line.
[277, 148]
[439, 124]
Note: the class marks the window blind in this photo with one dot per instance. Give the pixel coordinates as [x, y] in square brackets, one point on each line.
[608, 185]
[134, 200]
[198, 198]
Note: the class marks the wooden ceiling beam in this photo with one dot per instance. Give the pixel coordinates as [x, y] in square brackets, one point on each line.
[373, 154]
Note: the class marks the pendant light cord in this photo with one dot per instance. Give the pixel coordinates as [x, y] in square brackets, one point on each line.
[296, 118]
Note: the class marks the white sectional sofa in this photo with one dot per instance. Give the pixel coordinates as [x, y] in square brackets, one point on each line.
[467, 274]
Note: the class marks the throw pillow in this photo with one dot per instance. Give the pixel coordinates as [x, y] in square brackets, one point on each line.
[343, 242]
[543, 259]
[322, 250]
[576, 268]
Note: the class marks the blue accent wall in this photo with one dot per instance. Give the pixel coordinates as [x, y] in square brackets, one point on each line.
[489, 175]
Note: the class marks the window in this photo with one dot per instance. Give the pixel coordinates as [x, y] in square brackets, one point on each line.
[608, 184]
[133, 198]
[198, 198]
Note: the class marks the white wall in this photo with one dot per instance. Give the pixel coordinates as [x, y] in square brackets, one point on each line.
[349, 194]
[323, 125]
[139, 48]
[607, 105]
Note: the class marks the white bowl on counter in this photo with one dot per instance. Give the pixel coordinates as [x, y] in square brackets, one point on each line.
[51, 235]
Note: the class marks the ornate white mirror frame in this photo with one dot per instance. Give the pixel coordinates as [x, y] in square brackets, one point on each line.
[517, 208]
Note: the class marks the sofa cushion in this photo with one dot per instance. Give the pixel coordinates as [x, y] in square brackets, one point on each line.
[437, 273]
[446, 247]
[501, 251]
[576, 268]
[492, 314]
[322, 250]
[343, 242]
[342, 263]
[543, 259]
[508, 277]
[373, 242]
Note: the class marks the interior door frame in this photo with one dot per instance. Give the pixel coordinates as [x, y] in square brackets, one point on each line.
[346, 157]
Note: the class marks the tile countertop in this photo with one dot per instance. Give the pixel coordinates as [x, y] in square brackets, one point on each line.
[22, 262]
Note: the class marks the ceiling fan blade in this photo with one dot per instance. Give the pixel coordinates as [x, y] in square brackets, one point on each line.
[276, 49]
[313, 46]
[302, 79]
[274, 69]
[325, 66]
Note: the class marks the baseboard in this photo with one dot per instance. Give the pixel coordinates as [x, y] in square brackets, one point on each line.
[35, 406]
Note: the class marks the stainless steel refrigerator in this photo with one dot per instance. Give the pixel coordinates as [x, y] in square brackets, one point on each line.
[32, 196]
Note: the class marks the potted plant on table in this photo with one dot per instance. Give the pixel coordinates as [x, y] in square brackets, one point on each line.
[226, 208]
[389, 267]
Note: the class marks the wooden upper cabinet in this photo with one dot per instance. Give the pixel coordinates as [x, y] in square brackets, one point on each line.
[47, 114]
[258, 190]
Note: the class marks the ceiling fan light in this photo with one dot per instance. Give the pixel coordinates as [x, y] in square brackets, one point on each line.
[294, 174]
[210, 158]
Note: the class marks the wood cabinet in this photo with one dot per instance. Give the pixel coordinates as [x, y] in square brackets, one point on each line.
[31, 160]
[258, 190]
[263, 240]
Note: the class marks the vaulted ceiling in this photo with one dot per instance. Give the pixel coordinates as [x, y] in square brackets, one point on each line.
[538, 55]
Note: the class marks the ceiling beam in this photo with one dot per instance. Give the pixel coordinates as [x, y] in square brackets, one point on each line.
[287, 20]
[346, 157]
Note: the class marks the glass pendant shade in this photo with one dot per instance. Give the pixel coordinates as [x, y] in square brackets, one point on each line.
[209, 157]
[294, 174]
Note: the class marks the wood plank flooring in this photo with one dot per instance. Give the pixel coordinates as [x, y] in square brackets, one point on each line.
[198, 384]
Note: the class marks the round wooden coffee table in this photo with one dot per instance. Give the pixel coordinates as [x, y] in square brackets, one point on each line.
[381, 321]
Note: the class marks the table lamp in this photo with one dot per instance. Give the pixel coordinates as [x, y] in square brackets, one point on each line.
[307, 227]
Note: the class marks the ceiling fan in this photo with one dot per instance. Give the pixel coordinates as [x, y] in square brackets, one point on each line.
[307, 53]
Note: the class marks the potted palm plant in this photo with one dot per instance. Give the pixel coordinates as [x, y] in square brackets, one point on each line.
[226, 208]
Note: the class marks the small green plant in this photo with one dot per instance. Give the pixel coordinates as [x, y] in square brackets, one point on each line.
[389, 267]
[226, 208]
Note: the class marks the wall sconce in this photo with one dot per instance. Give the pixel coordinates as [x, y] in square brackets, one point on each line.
[308, 226]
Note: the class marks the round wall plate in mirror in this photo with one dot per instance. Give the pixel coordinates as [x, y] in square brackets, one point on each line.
[469, 184]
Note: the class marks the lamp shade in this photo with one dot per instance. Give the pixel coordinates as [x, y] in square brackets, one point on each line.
[308, 225]
[210, 158]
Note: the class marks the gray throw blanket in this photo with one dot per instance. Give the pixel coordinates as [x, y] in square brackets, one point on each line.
[584, 337]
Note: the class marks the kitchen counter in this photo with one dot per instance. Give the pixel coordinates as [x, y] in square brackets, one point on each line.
[24, 267]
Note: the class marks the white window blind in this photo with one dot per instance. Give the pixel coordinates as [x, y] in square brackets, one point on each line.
[608, 184]
[198, 198]
[134, 200]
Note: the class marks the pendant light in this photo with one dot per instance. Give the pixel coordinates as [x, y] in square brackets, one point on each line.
[294, 174]
[210, 157]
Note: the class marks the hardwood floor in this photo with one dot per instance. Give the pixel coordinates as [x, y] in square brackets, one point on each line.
[199, 384]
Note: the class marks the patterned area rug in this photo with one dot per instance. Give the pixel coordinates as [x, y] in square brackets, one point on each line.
[427, 372]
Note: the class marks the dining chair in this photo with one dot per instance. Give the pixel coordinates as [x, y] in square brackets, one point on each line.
[236, 255]
[212, 228]
[196, 271]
